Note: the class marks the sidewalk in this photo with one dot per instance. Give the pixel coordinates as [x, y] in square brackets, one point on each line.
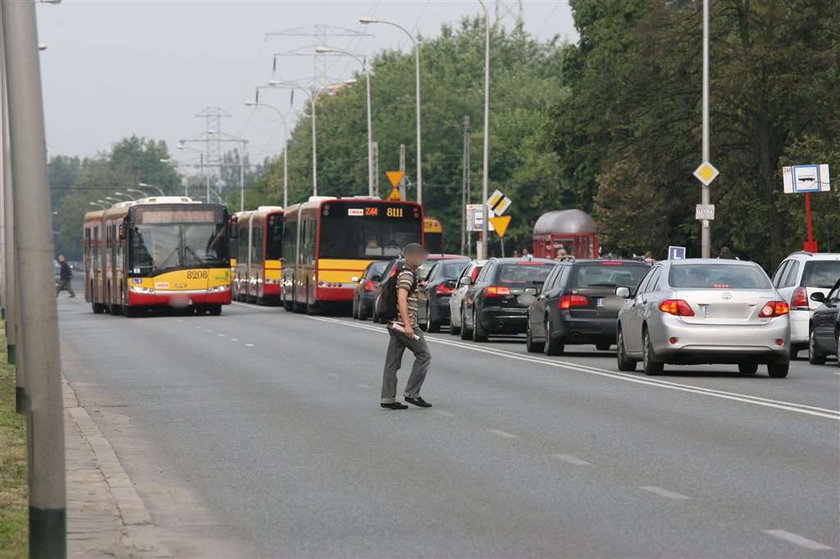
[105, 515]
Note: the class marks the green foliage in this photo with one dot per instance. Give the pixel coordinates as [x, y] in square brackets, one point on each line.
[628, 136]
[14, 518]
[75, 184]
[526, 83]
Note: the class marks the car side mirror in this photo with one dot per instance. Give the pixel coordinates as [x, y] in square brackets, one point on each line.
[355, 279]
[818, 297]
[623, 292]
[466, 280]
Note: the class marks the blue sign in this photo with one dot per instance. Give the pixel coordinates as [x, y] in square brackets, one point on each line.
[806, 178]
[676, 253]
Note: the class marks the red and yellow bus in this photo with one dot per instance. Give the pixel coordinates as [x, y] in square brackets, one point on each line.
[167, 251]
[433, 235]
[259, 255]
[329, 241]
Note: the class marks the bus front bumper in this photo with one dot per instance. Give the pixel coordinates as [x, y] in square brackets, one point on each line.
[179, 299]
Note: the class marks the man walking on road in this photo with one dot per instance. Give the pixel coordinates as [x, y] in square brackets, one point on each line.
[404, 334]
[65, 277]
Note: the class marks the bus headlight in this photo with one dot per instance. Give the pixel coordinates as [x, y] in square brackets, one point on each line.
[141, 289]
[218, 289]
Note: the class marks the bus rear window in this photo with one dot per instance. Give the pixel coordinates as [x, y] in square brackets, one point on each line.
[373, 233]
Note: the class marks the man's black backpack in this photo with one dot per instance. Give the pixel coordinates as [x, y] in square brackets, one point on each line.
[386, 299]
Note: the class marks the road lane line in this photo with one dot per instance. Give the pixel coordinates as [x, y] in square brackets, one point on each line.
[572, 459]
[797, 540]
[249, 345]
[234, 339]
[664, 492]
[444, 413]
[733, 396]
[503, 434]
[220, 335]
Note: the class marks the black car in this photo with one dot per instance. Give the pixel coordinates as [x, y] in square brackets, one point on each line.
[498, 301]
[363, 295]
[439, 284]
[823, 337]
[578, 304]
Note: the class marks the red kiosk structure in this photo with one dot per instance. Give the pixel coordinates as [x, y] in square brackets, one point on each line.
[573, 230]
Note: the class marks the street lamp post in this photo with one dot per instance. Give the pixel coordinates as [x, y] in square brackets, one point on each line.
[369, 20]
[285, 146]
[103, 206]
[366, 70]
[485, 176]
[143, 194]
[144, 185]
[705, 198]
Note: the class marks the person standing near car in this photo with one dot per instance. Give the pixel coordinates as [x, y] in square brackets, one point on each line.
[65, 277]
[404, 333]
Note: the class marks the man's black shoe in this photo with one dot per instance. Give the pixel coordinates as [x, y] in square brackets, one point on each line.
[418, 401]
[394, 406]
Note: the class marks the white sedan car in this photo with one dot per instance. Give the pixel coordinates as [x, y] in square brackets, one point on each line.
[456, 300]
[704, 311]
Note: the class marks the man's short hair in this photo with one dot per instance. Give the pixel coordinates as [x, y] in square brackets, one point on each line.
[414, 248]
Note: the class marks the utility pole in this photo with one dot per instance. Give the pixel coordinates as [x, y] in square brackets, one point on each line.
[375, 156]
[705, 230]
[485, 176]
[403, 188]
[465, 185]
[39, 324]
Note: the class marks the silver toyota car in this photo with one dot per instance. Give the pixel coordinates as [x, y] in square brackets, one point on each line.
[704, 311]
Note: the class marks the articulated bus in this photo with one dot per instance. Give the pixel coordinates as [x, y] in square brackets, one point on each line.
[329, 241]
[433, 235]
[166, 251]
[259, 254]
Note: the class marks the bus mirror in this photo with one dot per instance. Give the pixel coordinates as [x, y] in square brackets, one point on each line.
[121, 232]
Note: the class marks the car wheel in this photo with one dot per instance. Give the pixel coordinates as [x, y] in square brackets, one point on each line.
[478, 333]
[466, 333]
[650, 362]
[453, 330]
[778, 370]
[530, 344]
[837, 345]
[552, 345]
[815, 357]
[603, 346]
[748, 368]
[624, 362]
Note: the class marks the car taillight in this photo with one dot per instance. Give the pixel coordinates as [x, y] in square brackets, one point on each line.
[799, 301]
[569, 301]
[774, 309]
[496, 291]
[676, 307]
[369, 285]
[443, 290]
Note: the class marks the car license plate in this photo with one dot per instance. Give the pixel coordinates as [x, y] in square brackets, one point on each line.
[599, 302]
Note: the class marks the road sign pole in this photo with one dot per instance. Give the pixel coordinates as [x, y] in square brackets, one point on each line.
[38, 313]
[810, 244]
[705, 231]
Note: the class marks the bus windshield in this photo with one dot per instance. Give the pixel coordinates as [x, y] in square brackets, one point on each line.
[373, 237]
[159, 247]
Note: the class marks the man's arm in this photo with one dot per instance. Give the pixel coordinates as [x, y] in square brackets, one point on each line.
[402, 305]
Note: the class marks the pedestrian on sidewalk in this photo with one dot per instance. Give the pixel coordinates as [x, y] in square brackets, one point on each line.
[404, 333]
[65, 277]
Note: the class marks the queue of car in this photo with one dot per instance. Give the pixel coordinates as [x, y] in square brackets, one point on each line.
[693, 311]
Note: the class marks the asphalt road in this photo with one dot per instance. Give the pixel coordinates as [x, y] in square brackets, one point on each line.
[263, 428]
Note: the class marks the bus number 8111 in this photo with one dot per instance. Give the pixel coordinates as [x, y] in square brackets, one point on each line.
[395, 212]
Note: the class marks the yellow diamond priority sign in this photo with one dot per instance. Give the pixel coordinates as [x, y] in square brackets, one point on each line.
[706, 173]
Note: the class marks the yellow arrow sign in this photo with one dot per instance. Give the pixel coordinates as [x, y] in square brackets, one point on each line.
[500, 224]
[395, 177]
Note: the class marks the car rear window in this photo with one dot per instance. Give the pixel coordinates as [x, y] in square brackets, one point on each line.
[524, 273]
[609, 274]
[718, 276]
[451, 270]
[821, 273]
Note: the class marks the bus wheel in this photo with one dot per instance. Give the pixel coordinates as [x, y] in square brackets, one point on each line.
[131, 312]
[214, 310]
[97, 308]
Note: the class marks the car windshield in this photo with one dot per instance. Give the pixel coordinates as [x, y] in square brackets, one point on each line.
[718, 276]
[609, 275]
[524, 273]
[821, 273]
[155, 248]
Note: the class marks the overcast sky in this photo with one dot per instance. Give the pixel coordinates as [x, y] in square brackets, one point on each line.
[117, 67]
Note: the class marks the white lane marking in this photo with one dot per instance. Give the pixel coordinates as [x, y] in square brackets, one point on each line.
[209, 330]
[363, 385]
[571, 459]
[234, 339]
[254, 307]
[796, 539]
[332, 375]
[503, 434]
[249, 345]
[663, 492]
[220, 335]
[734, 396]
[444, 413]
